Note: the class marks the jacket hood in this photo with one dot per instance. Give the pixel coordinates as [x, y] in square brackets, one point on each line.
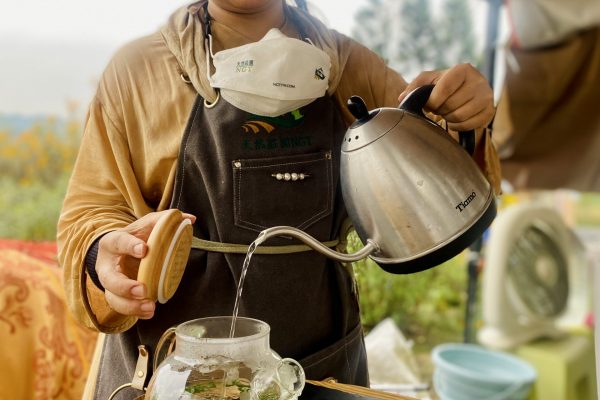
[184, 36]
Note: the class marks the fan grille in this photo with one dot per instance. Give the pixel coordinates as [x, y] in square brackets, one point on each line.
[538, 272]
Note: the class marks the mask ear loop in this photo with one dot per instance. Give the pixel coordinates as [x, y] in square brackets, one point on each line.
[209, 54]
[208, 51]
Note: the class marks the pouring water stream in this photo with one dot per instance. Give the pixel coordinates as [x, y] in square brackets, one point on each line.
[288, 231]
[240, 287]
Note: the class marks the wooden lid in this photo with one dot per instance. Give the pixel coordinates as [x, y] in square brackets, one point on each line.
[169, 247]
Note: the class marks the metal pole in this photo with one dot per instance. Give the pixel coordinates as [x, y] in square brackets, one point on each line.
[493, 19]
[491, 37]
[472, 281]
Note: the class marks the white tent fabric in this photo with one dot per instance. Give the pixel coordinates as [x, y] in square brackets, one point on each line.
[540, 23]
[391, 360]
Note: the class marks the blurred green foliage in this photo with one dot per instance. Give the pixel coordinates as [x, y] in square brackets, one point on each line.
[428, 306]
[30, 212]
[587, 212]
[34, 169]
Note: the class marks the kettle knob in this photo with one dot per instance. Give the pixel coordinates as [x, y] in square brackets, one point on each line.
[357, 107]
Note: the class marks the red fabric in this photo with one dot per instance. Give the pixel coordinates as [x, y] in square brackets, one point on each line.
[44, 353]
[44, 251]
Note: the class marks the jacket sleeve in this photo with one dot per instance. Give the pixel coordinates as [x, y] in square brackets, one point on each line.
[367, 75]
[126, 165]
[98, 200]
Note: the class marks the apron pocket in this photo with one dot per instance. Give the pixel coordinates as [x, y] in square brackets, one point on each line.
[344, 360]
[293, 191]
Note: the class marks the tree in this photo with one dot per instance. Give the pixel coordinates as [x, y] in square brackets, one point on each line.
[456, 34]
[411, 37]
[372, 27]
[414, 41]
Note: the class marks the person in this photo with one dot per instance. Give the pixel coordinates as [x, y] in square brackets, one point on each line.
[171, 126]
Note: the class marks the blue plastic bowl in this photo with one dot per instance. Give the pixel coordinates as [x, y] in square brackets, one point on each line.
[471, 372]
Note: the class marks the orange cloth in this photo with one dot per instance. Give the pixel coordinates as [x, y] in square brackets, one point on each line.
[44, 353]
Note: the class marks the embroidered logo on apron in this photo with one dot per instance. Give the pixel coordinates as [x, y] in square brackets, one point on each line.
[260, 125]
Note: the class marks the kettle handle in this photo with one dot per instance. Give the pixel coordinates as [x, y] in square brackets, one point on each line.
[415, 102]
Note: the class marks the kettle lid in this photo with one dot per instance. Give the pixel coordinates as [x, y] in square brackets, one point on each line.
[369, 125]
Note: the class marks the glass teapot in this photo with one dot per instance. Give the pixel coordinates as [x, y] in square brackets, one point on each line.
[208, 364]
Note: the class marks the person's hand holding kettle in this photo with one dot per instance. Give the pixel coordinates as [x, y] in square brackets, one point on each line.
[462, 96]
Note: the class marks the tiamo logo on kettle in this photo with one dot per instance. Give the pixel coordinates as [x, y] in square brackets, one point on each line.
[463, 204]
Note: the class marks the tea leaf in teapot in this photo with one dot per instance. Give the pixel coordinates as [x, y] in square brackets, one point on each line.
[270, 393]
[200, 387]
[196, 331]
[242, 384]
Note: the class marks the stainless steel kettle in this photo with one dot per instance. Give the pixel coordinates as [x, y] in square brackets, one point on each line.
[415, 196]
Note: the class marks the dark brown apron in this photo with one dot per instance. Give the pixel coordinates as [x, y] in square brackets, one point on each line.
[228, 177]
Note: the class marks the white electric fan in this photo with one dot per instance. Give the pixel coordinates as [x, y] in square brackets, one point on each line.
[533, 279]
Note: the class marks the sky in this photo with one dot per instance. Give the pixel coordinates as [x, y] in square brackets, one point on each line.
[52, 52]
[113, 21]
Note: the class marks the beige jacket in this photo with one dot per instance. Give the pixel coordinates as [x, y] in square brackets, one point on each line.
[126, 164]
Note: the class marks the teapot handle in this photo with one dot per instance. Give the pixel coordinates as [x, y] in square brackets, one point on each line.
[415, 102]
[282, 380]
[168, 336]
[295, 390]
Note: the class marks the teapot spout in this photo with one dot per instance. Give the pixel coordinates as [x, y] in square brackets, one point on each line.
[369, 248]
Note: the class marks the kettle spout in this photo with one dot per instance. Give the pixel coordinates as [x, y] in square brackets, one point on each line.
[369, 248]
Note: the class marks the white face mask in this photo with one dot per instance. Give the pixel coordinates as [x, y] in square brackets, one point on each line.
[271, 77]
